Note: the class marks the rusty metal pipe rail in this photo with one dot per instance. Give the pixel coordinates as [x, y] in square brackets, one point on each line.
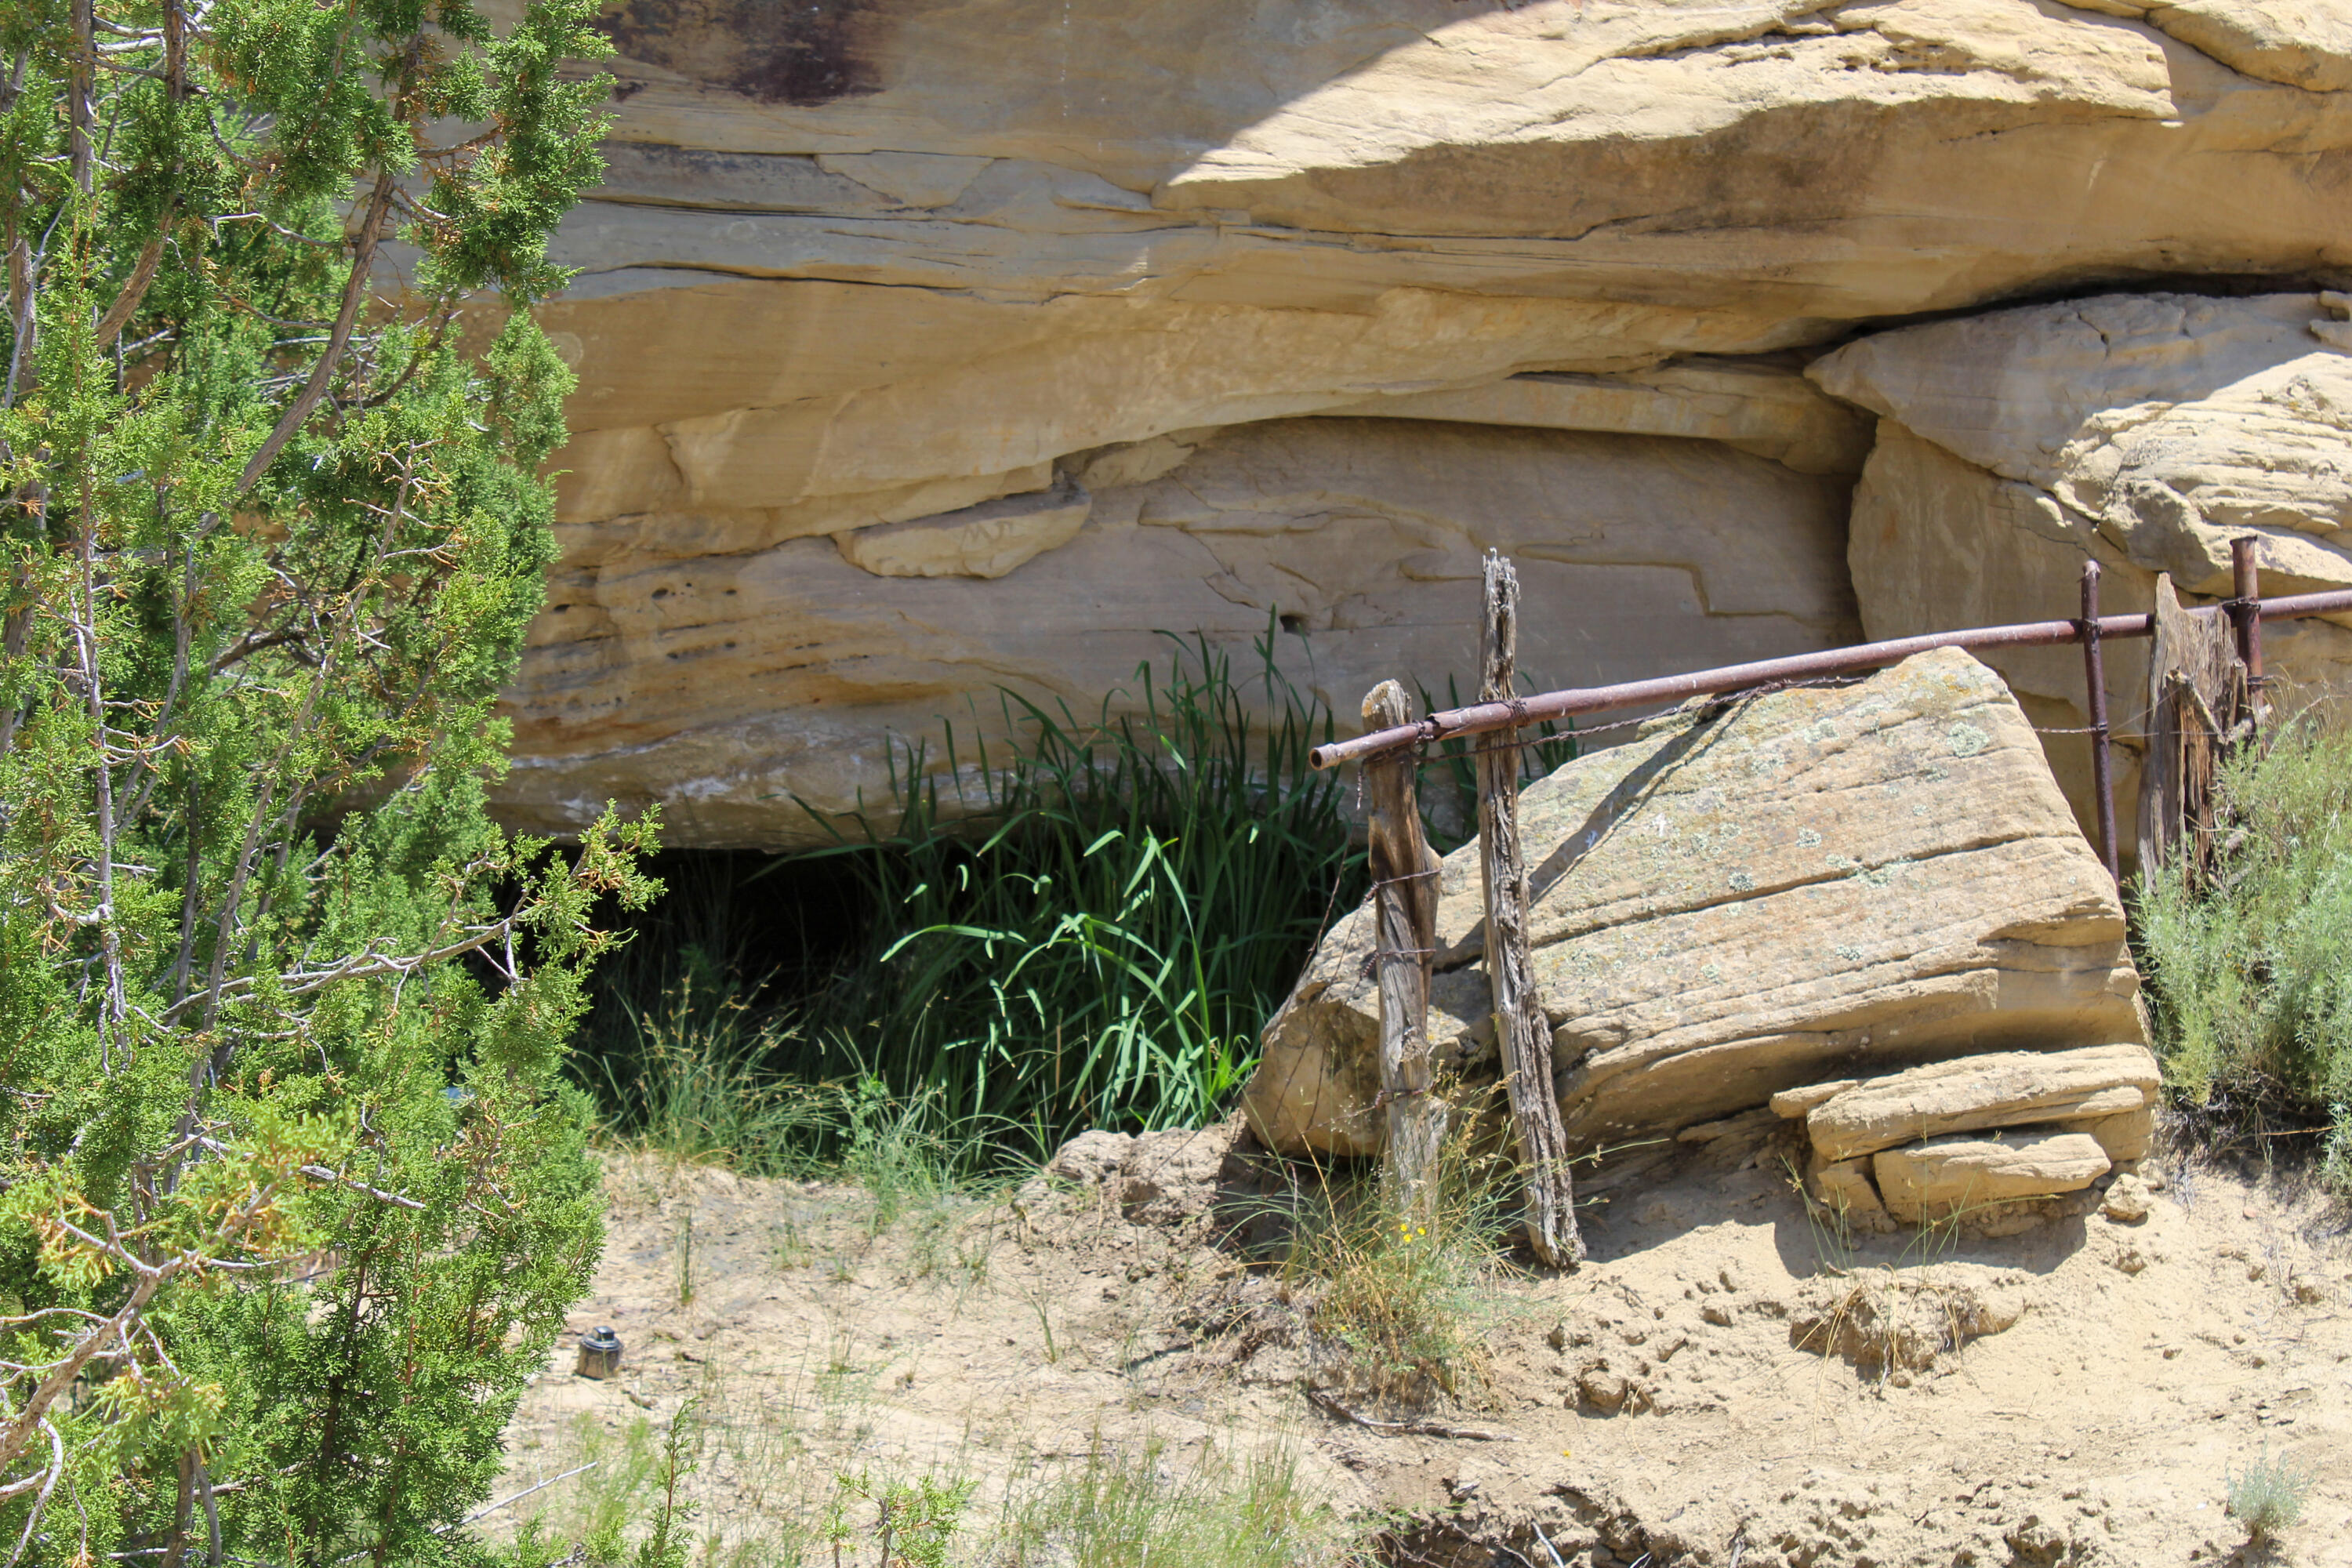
[1481, 717]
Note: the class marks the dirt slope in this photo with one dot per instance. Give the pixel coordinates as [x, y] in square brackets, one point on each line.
[1725, 1384]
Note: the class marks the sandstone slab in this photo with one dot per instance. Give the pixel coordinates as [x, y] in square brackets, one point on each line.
[2006, 1089]
[1791, 1104]
[1753, 897]
[1757, 407]
[987, 541]
[1948, 1176]
[1848, 1189]
[2170, 423]
[2125, 1135]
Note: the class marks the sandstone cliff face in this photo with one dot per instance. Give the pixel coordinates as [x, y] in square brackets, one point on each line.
[926, 347]
[2143, 431]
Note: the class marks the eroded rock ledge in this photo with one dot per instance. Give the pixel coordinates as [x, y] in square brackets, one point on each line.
[922, 350]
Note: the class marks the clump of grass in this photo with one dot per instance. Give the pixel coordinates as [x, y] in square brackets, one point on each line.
[1139, 1504]
[1829, 1223]
[908, 1154]
[598, 1508]
[2267, 1496]
[2253, 1000]
[700, 1087]
[1403, 1293]
[696, 1082]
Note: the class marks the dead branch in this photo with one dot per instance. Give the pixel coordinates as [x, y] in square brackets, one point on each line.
[1418, 1427]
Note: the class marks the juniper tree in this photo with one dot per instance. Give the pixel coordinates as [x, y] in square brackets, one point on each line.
[292, 1198]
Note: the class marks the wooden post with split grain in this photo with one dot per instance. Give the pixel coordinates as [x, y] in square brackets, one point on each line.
[1404, 921]
[1521, 1030]
[2196, 706]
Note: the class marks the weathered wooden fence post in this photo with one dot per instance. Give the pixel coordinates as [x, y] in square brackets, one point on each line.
[1521, 1031]
[1404, 921]
[2197, 704]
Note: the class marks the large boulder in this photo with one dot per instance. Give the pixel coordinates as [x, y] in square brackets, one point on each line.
[1754, 895]
[856, 263]
[2143, 431]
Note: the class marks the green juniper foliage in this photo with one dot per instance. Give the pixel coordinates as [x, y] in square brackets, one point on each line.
[292, 1198]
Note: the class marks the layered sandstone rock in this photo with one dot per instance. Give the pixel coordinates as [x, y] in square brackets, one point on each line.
[2143, 431]
[736, 679]
[2009, 1088]
[1976, 1138]
[859, 265]
[1753, 897]
[1947, 1177]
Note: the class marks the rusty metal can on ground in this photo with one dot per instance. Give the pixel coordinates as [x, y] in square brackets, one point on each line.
[600, 1353]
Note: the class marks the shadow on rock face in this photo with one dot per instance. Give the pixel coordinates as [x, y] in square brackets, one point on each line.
[801, 55]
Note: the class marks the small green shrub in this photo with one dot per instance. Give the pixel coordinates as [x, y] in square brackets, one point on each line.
[914, 1522]
[2267, 1496]
[2252, 995]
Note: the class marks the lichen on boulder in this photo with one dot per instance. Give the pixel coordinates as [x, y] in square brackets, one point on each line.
[1756, 894]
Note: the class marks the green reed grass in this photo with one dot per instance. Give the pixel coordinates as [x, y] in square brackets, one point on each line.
[1076, 921]
[1088, 924]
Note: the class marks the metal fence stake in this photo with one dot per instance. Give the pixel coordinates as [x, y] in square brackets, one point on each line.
[2103, 782]
[2246, 570]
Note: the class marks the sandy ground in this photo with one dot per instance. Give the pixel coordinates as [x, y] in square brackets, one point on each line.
[1724, 1384]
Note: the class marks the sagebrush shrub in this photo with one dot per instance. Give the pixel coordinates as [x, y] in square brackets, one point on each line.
[2249, 978]
[2267, 1496]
